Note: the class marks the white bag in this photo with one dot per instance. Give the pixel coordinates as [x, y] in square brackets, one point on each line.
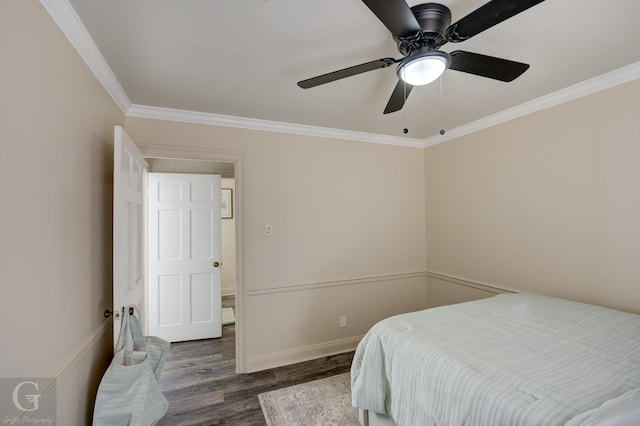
[155, 347]
[129, 393]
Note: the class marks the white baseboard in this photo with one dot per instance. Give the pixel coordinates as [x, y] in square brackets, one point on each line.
[301, 354]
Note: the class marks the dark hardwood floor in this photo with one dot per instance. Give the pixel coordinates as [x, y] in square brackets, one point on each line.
[202, 387]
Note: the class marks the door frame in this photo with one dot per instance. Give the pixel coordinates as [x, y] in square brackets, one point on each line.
[210, 154]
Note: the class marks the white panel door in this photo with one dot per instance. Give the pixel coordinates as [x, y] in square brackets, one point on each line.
[184, 256]
[128, 236]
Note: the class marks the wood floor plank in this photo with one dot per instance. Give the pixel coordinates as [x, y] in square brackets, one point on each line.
[202, 387]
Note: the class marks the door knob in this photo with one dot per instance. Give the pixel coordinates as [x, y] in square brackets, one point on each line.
[216, 264]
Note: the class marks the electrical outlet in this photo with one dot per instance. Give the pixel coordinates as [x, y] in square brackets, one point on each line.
[343, 321]
[268, 230]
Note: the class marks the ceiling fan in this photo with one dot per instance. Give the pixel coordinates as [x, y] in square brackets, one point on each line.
[420, 31]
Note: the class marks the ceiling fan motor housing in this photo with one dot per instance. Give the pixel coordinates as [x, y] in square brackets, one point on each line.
[434, 19]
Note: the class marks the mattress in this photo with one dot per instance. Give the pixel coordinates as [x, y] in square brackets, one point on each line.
[513, 359]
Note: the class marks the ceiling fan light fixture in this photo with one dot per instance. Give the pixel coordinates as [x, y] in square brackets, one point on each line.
[423, 68]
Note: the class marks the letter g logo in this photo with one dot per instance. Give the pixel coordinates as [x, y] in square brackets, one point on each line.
[30, 398]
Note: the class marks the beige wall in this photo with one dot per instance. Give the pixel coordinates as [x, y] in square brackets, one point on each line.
[548, 203]
[56, 127]
[345, 216]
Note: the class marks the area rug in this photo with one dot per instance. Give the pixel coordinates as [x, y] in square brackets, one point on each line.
[228, 317]
[320, 402]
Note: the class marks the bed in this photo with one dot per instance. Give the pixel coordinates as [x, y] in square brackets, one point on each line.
[512, 359]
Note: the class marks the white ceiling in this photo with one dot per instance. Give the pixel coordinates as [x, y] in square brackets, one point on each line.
[242, 58]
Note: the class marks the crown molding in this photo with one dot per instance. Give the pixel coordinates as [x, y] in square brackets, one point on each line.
[587, 87]
[72, 27]
[157, 113]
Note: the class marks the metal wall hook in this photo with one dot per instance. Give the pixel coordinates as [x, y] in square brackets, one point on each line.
[108, 313]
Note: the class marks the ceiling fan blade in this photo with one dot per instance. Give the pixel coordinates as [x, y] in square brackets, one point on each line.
[486, 66]
[395, 15]
[487, 16]
[398, 97]
[346, 72]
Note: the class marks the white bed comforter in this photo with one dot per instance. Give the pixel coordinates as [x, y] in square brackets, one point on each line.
[512, 359]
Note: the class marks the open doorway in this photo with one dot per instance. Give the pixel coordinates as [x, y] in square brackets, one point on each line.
[227, 171]
[228, 232]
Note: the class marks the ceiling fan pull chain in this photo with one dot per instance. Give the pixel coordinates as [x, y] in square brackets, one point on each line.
[404, 85]
[441, 108]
